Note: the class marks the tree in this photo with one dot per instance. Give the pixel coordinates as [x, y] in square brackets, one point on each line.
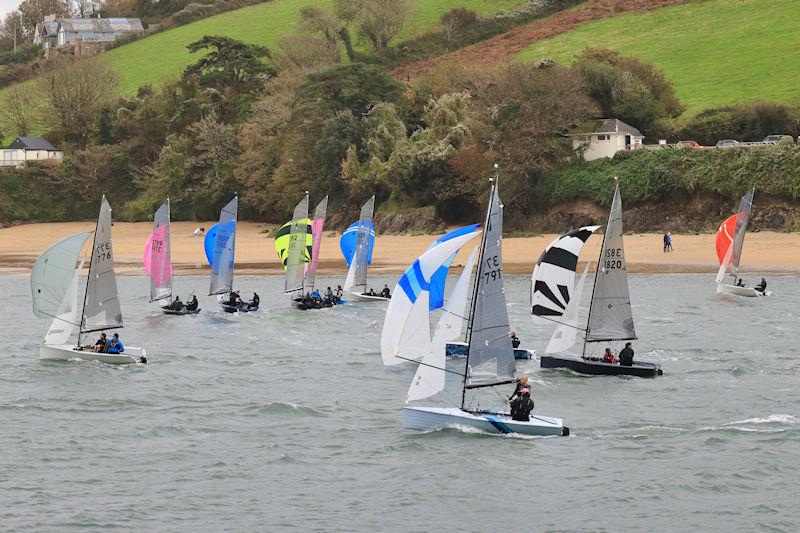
[353, 86]
[230, 64]
[379, 21]
[74, 92]
[19, 110]
[456, 19]
[32, 12]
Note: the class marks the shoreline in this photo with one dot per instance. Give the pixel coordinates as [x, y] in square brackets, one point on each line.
[255, 252]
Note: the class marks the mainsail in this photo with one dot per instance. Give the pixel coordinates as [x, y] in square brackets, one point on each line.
[429, 378]
[101, 308]
[406, 330]
[610, 316]
[224, 250]
[490, 359]
[742, 219]
[553, 278]
[53, 272]
[356, 280]
[317, 225]
[297, 248]
[157, 259]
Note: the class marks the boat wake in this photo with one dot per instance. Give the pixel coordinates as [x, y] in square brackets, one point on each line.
[281, 408]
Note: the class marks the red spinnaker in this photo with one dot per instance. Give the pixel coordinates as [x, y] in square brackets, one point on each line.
[725, 235]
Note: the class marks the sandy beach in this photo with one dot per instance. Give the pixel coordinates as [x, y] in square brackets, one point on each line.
[255, 251]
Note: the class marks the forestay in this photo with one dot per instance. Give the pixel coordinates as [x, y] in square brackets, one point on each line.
[356, 280]
[490, 359]
[101, 309]
[224, 249]
[53, 272]
[610, 316]
[553, 278]
[430, 376]
[157, 255]
[296, 250]
[406, 328]
[317, 225]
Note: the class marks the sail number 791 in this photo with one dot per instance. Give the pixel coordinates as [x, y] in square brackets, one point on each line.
[493, 270]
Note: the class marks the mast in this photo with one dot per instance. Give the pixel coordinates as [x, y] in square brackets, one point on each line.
[738, 258]
[86, 289]
[474, 298]
[594, 287]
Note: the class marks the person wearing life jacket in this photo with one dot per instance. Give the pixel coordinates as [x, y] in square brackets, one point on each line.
[115, 345]
[191, 305]
[608, 357]
[254, 302]
[522, 383]
[761, 287]
[522, 406]
[386, 293]
[626, 355]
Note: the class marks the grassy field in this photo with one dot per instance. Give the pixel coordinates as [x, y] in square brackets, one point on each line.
[164, 54]
[716, 52]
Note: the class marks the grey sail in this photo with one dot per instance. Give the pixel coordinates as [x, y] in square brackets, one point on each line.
[101, 309]
[295, 257]
[224, 249]
[317, 225]
[742, 219]
[365, 225]
[491, 356]
[160, 253]
[610, 316]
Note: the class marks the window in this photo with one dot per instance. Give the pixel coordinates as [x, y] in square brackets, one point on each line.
[603, 137]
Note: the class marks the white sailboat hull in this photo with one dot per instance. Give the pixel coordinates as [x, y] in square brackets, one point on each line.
[68, 352]
[432, 418]
[740, 291]
[359, 297]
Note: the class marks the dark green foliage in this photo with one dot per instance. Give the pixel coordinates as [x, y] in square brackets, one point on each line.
[229, 63]
[25, 52]
[746, 122]
[354, 86]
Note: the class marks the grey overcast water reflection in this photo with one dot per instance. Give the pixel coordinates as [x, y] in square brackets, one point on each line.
[285, 419]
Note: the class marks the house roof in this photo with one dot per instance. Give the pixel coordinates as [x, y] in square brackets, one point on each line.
[49, 27]
[32, 143]
[102, 25]
[605, 125]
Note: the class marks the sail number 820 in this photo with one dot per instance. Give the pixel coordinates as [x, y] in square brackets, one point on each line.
[613, 258]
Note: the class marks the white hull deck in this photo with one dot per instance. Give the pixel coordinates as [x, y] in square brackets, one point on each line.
[432, 418]
[358, 297]
[68, 352]
[740, 291]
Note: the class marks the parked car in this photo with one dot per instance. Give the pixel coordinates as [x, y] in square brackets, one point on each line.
[726, 142]
[775, 139]
[688, 144]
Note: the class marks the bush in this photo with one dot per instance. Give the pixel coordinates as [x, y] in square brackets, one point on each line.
[745, 122]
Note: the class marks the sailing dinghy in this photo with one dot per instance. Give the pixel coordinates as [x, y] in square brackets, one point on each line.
[490, 357]
[360, 257]
[157, 261]
[298, 244]
[555, 298]
[220, 245]
[54, 287]
[730, 241]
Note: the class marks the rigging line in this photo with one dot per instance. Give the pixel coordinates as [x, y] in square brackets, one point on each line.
[432, 366]
[59, 318]
[559, 322]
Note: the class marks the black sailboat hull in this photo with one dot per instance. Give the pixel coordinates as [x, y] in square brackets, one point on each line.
[640, 369]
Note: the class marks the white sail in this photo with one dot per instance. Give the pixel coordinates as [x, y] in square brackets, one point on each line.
[490, 359]
[406, 329]
[52, 274]
[430, 379]
[224, 249]
[101, 309]
[68, 317]
[610, 315]
[553, 278]
[356, 280]
[566, 334]
[295, 259]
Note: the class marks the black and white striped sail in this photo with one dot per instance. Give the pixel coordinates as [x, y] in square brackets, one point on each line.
[490, 358]
[610, 316]
[553, 278]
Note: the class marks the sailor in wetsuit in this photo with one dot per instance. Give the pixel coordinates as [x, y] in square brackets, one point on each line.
[521, 407]
[761, 287]
[176, 304]
[515, 342]
[192, 304]
[626, 355]
[234, 299]
[338, 294]
[385, 292]
[522, 383]
[254, 302]
[740, 282]
[101, 343]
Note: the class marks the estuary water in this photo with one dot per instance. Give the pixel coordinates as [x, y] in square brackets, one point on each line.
[287, 420]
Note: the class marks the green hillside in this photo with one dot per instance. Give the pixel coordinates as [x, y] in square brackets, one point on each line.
[716, 52]
[164, 54]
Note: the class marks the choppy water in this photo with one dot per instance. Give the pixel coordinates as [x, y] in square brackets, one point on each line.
[283, 420]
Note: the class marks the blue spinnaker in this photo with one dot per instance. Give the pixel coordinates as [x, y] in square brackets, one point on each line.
[349, 241]
[208, 243]
[440, 276]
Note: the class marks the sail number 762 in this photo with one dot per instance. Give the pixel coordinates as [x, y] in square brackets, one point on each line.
[613, 258]
[493, 270]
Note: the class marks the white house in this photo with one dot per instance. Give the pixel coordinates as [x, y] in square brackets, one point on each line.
[25, 149]
[55, 32]
[604, 138]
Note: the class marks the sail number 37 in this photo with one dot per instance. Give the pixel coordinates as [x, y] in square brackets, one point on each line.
[493, 271]
[614, 258]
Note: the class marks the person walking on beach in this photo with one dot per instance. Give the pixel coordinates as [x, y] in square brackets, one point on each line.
[667, 242]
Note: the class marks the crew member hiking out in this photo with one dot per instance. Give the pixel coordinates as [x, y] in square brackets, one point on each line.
[515, 342]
